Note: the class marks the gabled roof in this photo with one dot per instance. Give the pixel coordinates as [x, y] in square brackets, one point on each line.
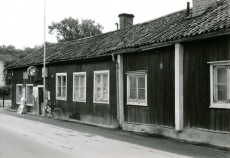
[8, 57]
[170, 28]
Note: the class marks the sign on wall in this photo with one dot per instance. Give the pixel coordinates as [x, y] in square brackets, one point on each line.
[32, 71]
[44, 72]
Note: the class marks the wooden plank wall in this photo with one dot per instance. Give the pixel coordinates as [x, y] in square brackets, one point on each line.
[197, 113]
[86, 111]
[18, 79]
[160, 87]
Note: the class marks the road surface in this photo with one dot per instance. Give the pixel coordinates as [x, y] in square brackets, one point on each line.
[27, 136]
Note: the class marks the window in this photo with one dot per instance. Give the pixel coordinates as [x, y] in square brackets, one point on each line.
[61, 86]
[101, 86]
[79, 86]
[29, 94]
[137, 88]
[220, 84]
[19, 93]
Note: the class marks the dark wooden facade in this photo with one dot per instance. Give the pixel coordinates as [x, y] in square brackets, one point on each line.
[18, 79]
[160, 66]
[95, 113]
[197, 113]
[160, 86]
[88, 111]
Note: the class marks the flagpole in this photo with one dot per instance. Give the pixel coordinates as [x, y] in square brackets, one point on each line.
[44, 62]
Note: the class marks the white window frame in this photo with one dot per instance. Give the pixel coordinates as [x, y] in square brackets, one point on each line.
[79, 74]
[136, 73]
[17, 85]
[29, 104]
[57, 97]
[221, 105]
[94, 86]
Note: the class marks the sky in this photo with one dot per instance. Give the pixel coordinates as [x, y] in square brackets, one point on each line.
[22, 21]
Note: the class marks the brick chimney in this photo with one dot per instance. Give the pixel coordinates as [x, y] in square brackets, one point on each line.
[199, 6]
[126, 20]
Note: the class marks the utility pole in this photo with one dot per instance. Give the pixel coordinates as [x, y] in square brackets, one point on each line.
[44, 62]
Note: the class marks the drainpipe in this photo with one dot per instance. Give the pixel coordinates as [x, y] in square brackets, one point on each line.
[117, 89]
[114, 60]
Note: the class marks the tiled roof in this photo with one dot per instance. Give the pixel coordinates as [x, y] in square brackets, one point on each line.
[8, 57]
[175, 26]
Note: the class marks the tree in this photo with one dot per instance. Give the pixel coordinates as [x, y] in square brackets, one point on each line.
[4, 92]
[8, 78]
[70, 29]
[16, 52]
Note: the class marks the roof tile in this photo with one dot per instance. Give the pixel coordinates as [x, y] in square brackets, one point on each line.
[167, 28]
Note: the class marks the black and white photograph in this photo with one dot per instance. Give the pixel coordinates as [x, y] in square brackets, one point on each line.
[115, 79]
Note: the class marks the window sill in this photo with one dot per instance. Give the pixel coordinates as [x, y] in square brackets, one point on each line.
[29, 104]
[79, 101]
[100, 102]
[220, 105]
[61, 98]
[137, 104]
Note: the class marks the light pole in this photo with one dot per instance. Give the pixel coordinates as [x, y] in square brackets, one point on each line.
[44, 62]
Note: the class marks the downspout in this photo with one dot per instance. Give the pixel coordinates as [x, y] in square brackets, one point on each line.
[117, 89]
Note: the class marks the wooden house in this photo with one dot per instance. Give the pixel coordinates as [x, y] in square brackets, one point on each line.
[168, 76]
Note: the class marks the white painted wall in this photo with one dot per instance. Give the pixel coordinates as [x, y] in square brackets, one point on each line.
[1, 73]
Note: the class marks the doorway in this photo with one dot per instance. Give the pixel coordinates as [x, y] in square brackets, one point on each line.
[40, 99]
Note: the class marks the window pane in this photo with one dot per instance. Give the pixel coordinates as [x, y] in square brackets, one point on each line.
[76, 80]
[98, 80]
[82, 81]
[141, 82]
[105, 95]
[76, 93]
[19, 93]
[59, 80]
[82, 94]
[59, 92]
[222, 93]
[141, 94]
[63, 81]
[63, 92]
[101, 91]
[30, 95]
[133, 94]
[133, 83]
[105, 87]
[105, 80]
[221, 75]
[98, 93]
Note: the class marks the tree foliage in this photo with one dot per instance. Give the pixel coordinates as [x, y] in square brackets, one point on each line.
[4, 92]
[16, 52]
[20, 53]
[8, 75]
[71, 29]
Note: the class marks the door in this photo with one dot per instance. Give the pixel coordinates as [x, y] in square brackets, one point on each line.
[40, 100]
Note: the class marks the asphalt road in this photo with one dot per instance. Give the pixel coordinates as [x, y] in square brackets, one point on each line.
[28, 136]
